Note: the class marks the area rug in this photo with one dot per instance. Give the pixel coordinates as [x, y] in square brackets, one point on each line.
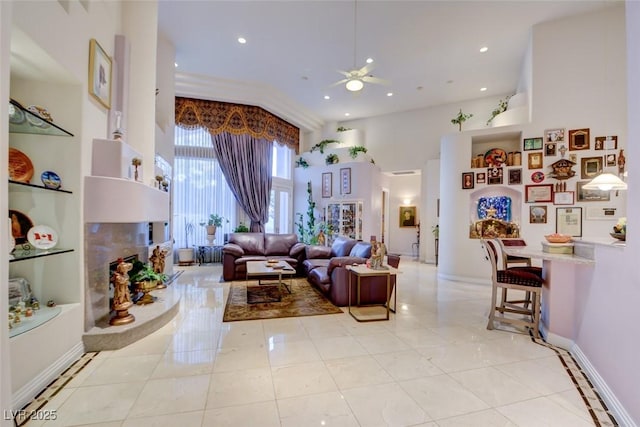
[263, 294]
[303, 300]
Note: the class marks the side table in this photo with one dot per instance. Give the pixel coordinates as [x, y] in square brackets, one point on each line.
[361, 271]
[208, 254]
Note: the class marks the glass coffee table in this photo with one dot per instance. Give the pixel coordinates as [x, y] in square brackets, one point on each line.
[264, 270]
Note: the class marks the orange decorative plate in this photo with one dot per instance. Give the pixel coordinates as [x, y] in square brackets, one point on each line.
[495, 158]
[20, 166]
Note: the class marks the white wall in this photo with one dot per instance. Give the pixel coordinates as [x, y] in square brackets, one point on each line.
[403, 191]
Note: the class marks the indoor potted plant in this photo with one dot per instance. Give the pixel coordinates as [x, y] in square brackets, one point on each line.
[185, 254]
[460, 119]
[213, 223]
[144, 280]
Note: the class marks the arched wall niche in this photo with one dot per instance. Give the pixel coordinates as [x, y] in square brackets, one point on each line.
[495, 211]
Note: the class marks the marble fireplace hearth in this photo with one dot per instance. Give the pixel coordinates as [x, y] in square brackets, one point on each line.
[105, 243]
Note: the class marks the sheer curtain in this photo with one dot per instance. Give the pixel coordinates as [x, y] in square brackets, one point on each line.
[200, 188]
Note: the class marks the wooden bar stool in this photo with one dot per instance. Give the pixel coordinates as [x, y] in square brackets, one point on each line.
[516, 278]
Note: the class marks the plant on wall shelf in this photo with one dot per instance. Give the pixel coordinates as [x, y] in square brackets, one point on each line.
[302, 163]
[332, 159]
[353, 151]
[342, 129]
[320, 146]
[501, 108]
[241, 228]
[460, 119]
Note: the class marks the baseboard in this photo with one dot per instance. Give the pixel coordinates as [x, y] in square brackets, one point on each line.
[612, 402]
[31, 389]
[556, 340]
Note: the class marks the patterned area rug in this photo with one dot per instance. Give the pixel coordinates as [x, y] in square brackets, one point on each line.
[263, 294]
[303, 300]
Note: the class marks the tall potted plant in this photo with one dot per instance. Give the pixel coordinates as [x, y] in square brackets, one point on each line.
[185, 254]
[212, 224]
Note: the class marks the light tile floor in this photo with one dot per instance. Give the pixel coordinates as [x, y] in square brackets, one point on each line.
[433, 364]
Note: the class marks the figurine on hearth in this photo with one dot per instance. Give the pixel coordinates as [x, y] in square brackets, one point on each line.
[121, 295]
[157, 259]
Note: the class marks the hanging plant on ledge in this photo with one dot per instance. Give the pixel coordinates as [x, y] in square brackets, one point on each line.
[332, 159]
[501, 108]
[342, 129]
[460, 119]
[323, 144]
[302, 163]
[353, 151]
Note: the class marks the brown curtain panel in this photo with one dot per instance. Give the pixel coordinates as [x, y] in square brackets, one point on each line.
[236, 119]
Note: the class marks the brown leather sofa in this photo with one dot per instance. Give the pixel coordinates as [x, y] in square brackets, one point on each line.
[243, 247]
[325, 269]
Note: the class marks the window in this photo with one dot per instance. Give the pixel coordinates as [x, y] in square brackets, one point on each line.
[200, 188]
[280, 204]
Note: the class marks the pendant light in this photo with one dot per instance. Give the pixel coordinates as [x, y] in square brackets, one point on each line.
[606, 182]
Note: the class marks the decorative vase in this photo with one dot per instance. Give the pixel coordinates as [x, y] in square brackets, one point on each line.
[185, 255]
[211, 229]
[145, 287]
[210, 239]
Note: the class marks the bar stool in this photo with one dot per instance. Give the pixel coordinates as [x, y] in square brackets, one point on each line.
[516, 278]
[510, 260]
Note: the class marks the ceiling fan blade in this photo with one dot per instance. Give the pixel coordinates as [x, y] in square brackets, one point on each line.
[339, 82]
[375, 80]
[347, 74]
[366, 69]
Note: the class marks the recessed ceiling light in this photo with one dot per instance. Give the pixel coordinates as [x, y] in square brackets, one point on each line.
[175, 64]
[389, 93]
[483, 89]
[327, 97]
[483, 49]
[369, 60]
[242, 40]
[449, 81]
[347, 114]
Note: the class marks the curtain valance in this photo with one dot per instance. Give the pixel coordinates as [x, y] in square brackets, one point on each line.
[236, 119]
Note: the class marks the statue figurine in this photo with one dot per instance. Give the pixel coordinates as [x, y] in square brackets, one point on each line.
[121, 296]
[157, 260]
[378, 251]
[321, 238]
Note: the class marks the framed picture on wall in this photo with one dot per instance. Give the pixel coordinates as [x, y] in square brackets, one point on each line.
[99, 74]
[467, 180]
[532, 144]
[538, 214]
[606, 142]
[590, 167]
[408, 216]
[564, 198]
[579, 139]
[535, 160]
[591, 195]
[554, 135]
[538, 193]
[481, 177]
[515, 176]
[345, 181]
[494, 175]
[327, 183]
[569, 221]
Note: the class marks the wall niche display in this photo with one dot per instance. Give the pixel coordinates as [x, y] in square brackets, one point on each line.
[494, 219]
[579, 139]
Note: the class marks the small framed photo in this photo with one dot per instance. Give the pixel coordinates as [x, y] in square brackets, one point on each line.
[481, 178]
[550, 149]
[594, 213]
[590, 167]
[538, 214]
[538, 193]
[534, 160]
[467, 180]
[606, 143]
[345, 181]
[610, 159]
[532, 144]
[327, 184]
[494, 176]
[591, 195]
[408, 216]
[569, 221]
[579, 139]
[515, 176]
[564, 197]
[99, 74]
[554, 135]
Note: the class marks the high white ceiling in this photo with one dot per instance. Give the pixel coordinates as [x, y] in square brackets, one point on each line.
[427, 50]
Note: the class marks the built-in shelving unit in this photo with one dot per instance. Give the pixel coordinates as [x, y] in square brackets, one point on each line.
[24, 186]
[39, 317]
[24, 254]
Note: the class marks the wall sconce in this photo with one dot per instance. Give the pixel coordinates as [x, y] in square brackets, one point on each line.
[407, 201]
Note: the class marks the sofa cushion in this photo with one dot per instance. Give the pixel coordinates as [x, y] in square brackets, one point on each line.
[233, 249]
[361, 249]
[319, 276]
[251, 243]
[317, 252]
[310, 264]
[297, 249]
[342, 246]
[279, 244]
[342, 261]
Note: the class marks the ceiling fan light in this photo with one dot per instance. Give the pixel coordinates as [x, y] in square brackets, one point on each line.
[606, 182]
[354, 85]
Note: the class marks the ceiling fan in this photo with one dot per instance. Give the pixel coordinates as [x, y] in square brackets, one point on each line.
[357, 77]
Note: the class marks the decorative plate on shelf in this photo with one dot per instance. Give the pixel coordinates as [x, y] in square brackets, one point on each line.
[51, 180]
[537, 177]
[42, 237]
[20, 166]
[495, 157]
[20, 226]
[36, 119]
[16, 115]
